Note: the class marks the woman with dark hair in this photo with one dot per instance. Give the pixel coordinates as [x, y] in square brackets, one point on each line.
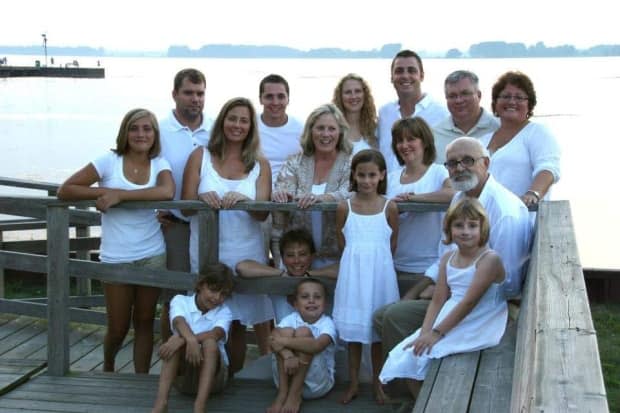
[525, 156]
[228, 170]
[133, 171]
[417, 179]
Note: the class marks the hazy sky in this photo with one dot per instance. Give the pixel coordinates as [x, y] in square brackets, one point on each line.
[430, 25]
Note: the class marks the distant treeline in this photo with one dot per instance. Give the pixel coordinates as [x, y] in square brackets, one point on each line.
[494, 49]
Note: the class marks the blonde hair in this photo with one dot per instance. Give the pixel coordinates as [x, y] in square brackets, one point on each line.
[469, 208]
[368, 115]
[307, 145]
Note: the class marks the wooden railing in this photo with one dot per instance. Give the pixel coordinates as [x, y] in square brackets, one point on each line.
[557, 367]
[59, 267]
[557, 364]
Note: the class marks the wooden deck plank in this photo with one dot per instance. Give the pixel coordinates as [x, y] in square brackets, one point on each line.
[493, 386]
[427, 387]
[26, 330]
[99, 392]
[5, 318]
[78, 333]
[456, 375]
[15, 372]
[13, 326]
[29, 347]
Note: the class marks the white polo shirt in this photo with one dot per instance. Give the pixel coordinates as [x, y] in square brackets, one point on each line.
[177, 143]
[199, 322]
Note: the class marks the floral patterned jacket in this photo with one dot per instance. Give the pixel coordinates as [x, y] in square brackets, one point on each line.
[296, 177]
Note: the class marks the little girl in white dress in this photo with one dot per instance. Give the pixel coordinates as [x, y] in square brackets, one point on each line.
[367, 229]
[467, 312]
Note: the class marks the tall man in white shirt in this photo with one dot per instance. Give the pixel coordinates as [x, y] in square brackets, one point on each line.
[181, 131]
[407, 75]
[510, 236]
[466, 117]
[279, 132]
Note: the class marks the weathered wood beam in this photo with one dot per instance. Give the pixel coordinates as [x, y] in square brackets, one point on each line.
[58, 290]
[557, 367]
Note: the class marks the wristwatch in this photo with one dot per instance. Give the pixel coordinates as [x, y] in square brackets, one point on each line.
[535, 193]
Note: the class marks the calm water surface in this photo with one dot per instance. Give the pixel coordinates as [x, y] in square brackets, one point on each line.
[50, 127]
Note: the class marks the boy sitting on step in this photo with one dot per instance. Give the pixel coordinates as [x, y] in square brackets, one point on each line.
[200, 324]
[303, 346]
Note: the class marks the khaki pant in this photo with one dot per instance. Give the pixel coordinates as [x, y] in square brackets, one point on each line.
[394, 322]
[187, 381]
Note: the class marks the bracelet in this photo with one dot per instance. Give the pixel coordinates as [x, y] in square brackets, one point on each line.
[438, 332]
[535, 193]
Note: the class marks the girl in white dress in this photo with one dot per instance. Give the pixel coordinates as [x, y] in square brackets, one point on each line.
[133, 171]
[367, 229]
[230, 169]
[467, 312]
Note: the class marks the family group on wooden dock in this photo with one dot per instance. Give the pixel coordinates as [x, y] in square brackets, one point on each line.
[466, 263]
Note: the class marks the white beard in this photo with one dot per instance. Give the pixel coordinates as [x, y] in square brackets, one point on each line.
[465, 185]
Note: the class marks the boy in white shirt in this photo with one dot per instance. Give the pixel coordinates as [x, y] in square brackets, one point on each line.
[303, 346]
[200, 324]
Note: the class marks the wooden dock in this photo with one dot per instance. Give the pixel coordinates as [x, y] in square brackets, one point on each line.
[25, 386]
[42, 71]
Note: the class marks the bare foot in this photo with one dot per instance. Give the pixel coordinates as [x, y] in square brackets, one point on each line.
[380, 396]
[200, 407]
[292, 405]
[350, 394]
[160, 407]
[276, 406]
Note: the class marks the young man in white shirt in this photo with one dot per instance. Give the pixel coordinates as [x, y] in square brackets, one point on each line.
[407, 75]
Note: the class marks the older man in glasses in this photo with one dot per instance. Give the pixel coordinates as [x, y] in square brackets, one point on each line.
[467, 162]
[466, 117]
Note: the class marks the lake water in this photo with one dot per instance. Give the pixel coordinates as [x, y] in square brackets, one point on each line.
[49, 127]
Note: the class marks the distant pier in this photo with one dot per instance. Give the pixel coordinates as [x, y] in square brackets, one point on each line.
[34, 71]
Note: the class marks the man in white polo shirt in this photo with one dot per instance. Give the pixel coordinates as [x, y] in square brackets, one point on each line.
[181, 131]
[407, 75]
[279, 132]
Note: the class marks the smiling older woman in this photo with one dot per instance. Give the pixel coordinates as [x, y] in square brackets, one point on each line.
[319, 173]
[525, 156]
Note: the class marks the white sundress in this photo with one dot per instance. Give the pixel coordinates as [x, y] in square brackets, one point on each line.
[366, 279]
[240, 237]
[483, 327]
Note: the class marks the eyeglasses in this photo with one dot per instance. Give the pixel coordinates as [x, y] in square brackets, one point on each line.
[518, 98]
[465, 94]
[467, 162]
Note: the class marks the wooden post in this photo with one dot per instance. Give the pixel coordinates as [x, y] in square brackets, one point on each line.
[57, 290]
[208, 237]
[1, 272]
[83, 285]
